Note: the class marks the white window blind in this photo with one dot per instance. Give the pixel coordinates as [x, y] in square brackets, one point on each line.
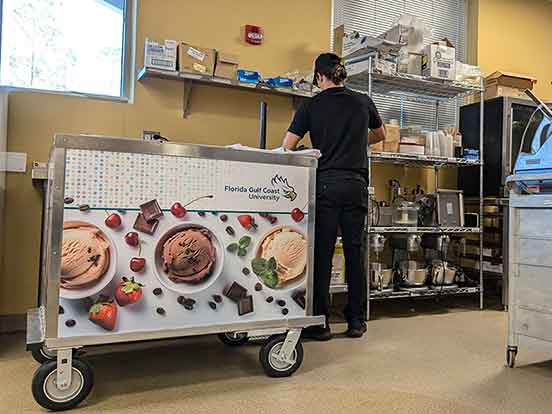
[445, 18]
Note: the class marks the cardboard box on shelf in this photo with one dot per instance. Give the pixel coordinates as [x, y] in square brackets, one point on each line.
[339, 34]
[508, 84]
[411, 149]
[384, 64]
[392, 138]
[378, 147]
[227, 65]
[513, 80]
[160, 55]
[439, 60]
[195, 59]
[414, 139]
[494, 91]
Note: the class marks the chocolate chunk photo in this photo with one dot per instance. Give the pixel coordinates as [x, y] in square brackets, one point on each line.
[299, 298]
[151, 210]
[235, 292]
[245, 305]
[142, 225]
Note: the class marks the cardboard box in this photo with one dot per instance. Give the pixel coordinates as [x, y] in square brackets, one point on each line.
[378, 147]
[339, 35]
[512, 80]
[386, 66]
[392, 138]
[508, 84]
[227, 65]
[353, 45]
[411, 149]
[439, 60]
[414, 139]
[496, 90]
[160, 55]
[195, 59]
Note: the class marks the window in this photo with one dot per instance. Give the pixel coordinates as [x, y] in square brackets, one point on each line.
[64, 45]
[445, 18]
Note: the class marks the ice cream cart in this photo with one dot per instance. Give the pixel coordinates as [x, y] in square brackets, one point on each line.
[149, 241]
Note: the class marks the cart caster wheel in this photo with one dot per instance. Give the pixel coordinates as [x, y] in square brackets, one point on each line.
[42, 356]
[233, 339]
[511, 355]
[272, 364]
[48, 395]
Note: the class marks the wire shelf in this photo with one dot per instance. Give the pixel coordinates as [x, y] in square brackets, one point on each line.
[416, 87]
[421, 160]
[398, 229]
[431, 292]
[414, 293]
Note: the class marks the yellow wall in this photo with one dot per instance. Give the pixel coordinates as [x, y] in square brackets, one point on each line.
[514, 36]
[292, 40]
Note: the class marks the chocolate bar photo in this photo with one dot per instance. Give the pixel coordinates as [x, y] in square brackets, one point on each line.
[151, 210]
[235, 292]
[145, 227]
[245, 305]
[299, 298]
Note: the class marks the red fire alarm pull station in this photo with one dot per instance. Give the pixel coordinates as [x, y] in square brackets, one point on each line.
[254, 34]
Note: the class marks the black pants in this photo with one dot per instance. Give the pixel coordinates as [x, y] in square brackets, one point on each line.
[341, 201]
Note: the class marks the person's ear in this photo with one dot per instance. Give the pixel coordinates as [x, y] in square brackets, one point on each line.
[319, 78]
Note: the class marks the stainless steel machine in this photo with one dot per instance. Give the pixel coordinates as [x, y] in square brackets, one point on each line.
[381, 275]
[443, 273]
[412, 268]
[530, 242]
[506, 121]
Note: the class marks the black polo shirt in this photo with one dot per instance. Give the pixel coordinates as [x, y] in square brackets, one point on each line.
[338, 120]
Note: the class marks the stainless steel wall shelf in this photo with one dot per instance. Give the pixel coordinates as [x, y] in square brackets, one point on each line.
[191, 79]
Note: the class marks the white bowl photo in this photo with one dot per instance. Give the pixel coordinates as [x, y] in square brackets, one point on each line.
[299, 280]
[102, 282]
[188, 288]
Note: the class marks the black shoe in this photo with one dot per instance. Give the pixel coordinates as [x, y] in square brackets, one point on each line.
[356, 329]
[317, 333]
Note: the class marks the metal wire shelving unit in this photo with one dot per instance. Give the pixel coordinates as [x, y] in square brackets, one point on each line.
[424, 90]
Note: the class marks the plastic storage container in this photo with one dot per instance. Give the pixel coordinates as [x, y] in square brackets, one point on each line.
[405, 214]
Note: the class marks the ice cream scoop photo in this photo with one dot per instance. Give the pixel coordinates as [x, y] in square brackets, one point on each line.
[188, 257]
[281, 258]
[86, 259]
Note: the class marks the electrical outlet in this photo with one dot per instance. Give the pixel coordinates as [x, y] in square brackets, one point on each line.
[148, 135]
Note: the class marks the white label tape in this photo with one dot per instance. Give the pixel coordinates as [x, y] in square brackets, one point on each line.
[196, 54]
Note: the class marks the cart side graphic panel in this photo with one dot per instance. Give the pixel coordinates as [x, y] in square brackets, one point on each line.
[162, 242]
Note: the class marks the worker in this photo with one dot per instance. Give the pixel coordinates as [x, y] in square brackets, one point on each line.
[338, 121]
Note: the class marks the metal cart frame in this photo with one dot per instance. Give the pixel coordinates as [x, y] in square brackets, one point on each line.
[42, 322]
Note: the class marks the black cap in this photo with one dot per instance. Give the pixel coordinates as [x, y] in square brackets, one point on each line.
[324, 64]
